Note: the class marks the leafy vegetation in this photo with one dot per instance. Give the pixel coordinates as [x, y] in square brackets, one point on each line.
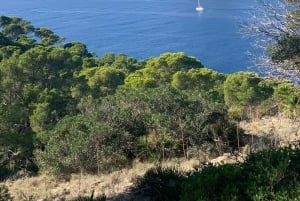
[213, 183]
[162, 183]
[266, 175]
[63, 110]
[275, 28]
[91, 198]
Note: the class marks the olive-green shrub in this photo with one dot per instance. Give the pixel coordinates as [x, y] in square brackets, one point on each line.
[213, 183]
[272, 174]
[162, 184]
[90, 198]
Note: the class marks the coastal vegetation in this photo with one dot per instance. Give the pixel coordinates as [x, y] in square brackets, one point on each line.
[274, 26]
[65, 110]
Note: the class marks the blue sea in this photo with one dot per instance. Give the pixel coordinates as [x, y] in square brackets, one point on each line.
[146, 28]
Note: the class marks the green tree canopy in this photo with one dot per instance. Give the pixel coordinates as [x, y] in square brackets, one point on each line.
[245, 89]
[103, 80]
[14, 27]
[160, 70]
[47, 36]
[207, 82]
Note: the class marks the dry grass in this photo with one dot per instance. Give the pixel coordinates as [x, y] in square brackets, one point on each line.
[45, 187]
[50, 188]
[280, 128]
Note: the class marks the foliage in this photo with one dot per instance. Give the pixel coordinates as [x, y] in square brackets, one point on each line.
[203, 80]
[66, 110]
[121, 62]
[275, 28]
[160, 70]
[244, 90]
[90, 198]
[47, 36]
[287, 48]
[213, 183]
[103, 80]
[288, 96]
[148, 148]
[14, 27]
[179, 120]
[162, 184]
[272, 173]
[16, 141]
[265, 175]
[83, 144]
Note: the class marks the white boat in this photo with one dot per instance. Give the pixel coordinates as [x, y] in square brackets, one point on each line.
[199, 7]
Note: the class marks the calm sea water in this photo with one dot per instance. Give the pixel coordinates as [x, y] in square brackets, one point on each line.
[144, 28]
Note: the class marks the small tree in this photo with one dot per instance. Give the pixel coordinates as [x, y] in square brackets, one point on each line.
[244, 89]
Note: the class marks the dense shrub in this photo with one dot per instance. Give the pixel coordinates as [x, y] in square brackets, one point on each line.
[244, 89]
[82, 144]
[148, 148]
[213, 184]
[162, 184]
[288, 96]
[201, 80]
[266, 175]
[90, 198]
[270, 174]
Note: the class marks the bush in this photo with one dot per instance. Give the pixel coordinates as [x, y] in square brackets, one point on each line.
[162, 184]
[4, 172]
[288, 96]
[271, 174]
[266, 175]
[147, 148]
[90, 198]
[81, 144]
[213, 184]
[244, 89]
